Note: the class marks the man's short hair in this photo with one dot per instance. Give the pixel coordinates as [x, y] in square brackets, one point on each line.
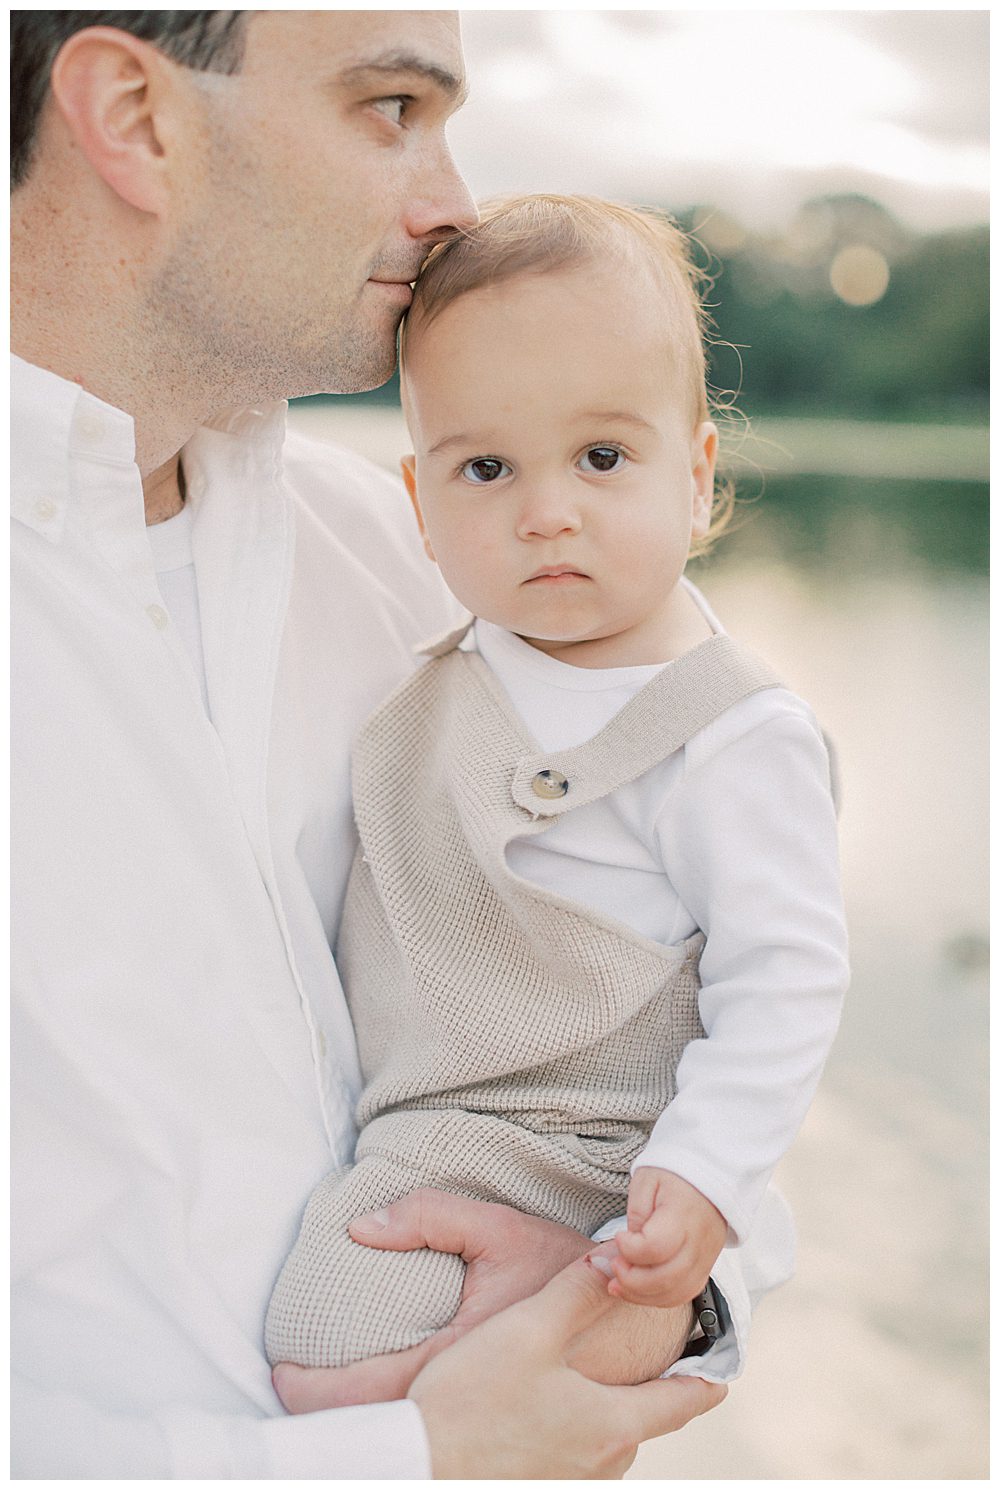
[206, 40]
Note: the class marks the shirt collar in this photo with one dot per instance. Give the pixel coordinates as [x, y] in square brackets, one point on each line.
[248, 440]
[55, 423]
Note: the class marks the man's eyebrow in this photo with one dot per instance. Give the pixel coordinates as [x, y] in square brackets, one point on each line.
[390, 64]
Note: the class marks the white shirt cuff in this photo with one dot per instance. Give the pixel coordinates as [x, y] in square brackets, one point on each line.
[382, 1441]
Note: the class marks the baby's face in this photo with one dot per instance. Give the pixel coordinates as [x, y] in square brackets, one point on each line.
[558, 473]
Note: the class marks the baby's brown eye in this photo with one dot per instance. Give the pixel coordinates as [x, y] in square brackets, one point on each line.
[485, 469]
[602, 458]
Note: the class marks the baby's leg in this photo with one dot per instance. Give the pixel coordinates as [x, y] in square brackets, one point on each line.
[337, 1301]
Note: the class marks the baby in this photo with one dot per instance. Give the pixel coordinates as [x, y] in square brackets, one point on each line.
[593, 939]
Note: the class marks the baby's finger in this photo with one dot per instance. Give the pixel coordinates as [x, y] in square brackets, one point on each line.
[646, 1248]
[641, 1199]
[665, 1286]
[639, 1289]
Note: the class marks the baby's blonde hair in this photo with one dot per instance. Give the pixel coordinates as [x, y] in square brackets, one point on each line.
[540, 234]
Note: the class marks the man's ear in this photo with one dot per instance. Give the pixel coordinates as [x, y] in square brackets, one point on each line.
[408, 466]
[704, 453]
[110, 88]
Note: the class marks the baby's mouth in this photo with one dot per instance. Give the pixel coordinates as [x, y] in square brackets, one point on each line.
[555, 574]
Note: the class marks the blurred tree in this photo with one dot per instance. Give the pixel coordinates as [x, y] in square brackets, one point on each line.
[919, 351]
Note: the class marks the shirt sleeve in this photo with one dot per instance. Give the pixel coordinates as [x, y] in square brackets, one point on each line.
[748, 840]
[61, 1435]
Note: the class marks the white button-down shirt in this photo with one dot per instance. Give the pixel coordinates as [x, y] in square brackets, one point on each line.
[184, 1065]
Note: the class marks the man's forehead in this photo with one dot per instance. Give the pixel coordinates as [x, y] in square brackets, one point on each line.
[348, 42]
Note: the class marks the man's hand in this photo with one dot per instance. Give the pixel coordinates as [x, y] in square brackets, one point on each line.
[673, 1239]
[503, 1403]
[509, 1257]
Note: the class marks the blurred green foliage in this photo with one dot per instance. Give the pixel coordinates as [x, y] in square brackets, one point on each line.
[921, 351]
[837, 525]
[786, 344]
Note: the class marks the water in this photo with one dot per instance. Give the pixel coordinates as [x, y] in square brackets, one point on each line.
[869, 598]
[872, 603]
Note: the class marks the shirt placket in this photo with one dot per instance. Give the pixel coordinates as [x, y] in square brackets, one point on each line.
[109, 497]
[244, 548]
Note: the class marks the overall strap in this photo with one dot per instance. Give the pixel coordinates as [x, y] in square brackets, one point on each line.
[682, 699]
[447, 641]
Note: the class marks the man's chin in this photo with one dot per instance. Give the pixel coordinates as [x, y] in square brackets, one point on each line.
[364, 368]
[349, 380]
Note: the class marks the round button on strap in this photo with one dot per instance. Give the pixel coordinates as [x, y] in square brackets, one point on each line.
[549, 784]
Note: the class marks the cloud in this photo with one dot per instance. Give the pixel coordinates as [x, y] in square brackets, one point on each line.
[749, 109]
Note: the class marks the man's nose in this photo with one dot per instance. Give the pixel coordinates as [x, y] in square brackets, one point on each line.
[445, 204]
[548, 513]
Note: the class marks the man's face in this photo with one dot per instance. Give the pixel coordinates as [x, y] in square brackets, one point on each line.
[321, 178]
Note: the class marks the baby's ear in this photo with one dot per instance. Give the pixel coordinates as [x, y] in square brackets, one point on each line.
[408, 466]
[704, 451]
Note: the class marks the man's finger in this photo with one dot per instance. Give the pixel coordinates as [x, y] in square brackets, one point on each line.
[657, 1407]
[429, 1218]
[381, 1379]
[297, 1387]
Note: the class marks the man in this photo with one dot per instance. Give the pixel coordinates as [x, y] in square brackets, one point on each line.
[213, 211]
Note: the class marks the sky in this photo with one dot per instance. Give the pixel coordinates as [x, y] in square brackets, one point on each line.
[752, 112]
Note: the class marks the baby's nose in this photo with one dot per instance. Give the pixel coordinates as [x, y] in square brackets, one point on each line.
[547, 514]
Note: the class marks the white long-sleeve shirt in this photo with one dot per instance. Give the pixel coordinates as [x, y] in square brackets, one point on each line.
[735, 835]
[184, 1069]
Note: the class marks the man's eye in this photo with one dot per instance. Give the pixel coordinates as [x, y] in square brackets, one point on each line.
[601, 458]
[483, 469]
[393, 108]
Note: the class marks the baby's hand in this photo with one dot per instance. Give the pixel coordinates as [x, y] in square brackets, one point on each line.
[674, 1236]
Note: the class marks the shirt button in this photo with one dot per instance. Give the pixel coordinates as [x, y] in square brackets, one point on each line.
[89, 426]
[158, 616]
[549, 784]
[45, 510]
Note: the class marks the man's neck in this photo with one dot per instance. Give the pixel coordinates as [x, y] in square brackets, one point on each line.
[80, 318]
[164, 491]
[161, 428]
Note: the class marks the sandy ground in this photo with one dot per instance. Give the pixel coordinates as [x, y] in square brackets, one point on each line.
[872, 1362]
[848, 1377]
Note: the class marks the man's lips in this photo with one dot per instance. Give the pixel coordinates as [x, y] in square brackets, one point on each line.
[401, 289]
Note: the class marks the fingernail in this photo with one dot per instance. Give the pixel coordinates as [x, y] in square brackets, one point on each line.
[601, 1263]
[373, 1221]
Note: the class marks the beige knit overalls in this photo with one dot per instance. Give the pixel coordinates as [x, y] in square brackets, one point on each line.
[516, 1047]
